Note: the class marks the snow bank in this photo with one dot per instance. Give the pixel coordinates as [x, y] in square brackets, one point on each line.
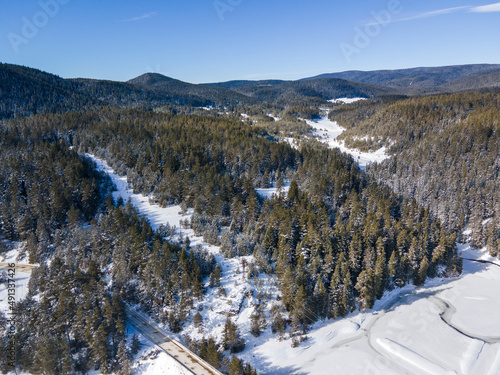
[413, 358]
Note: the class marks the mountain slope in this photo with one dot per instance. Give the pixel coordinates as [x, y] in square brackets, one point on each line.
[311, 91]
[450, 144]
[423, 77]
[26, 91]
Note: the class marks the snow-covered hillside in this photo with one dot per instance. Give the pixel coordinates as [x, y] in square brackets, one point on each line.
[449, 326]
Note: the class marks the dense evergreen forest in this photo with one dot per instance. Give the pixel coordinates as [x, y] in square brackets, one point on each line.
[335, 238]
[73, 319]
[449, 144]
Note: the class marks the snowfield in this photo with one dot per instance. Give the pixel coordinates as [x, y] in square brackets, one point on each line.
[328, 131]
[448, 326]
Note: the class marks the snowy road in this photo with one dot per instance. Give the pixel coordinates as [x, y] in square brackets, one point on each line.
[191, 363]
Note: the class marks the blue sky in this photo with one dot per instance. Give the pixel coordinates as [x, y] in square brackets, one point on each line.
[218, 40]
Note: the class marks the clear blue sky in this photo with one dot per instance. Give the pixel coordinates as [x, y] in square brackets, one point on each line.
[218, 40]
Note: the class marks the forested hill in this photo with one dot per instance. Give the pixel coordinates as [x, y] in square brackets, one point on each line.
[218, 96]
[316, 91]
[26, 91]
[447, 78]
[447, 155]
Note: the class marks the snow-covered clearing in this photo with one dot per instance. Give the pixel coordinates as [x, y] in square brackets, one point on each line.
[328, 131]
[449, 326]
[346, 100]
[21, 278]
[274, 191]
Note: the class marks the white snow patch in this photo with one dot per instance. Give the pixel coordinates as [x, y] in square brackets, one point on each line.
[273, 117]
[346, 100]
[161, 364]
[270, 192]
[21, 278]
[471, 356]
[21, 291]
[293, 142]
[486, 221]
[328, 131]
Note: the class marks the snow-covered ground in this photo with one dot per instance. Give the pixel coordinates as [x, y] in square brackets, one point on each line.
[346, 100]
[240, 292]
[273, 117]
[270, 192]
[328, 131]
[404, 333]
[21, 278]
[449, 326]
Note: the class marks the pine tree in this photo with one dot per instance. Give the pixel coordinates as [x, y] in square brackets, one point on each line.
[124, 363]
[392, 265]
[232, 338]
[236, 367]
[422, 272]
[135, 345]
[364, 286]
[212, 356]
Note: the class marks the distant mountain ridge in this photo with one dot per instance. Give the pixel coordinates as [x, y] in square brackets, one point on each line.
[423, 77]
[25, 91]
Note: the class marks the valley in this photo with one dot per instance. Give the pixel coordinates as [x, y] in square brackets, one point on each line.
[251, 227]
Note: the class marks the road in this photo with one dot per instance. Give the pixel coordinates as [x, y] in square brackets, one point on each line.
[19, 267]
[176, 350]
